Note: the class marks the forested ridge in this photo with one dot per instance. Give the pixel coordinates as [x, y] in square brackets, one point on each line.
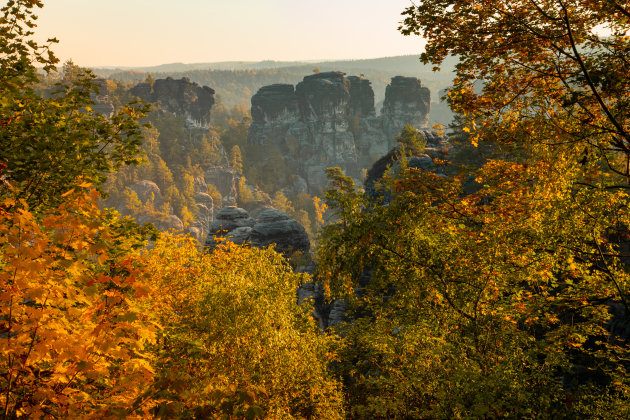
[495, 285]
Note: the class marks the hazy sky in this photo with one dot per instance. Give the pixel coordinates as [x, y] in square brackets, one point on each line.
[150, 32]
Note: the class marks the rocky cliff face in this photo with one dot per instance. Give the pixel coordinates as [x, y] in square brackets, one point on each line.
[406, 101]
[329, 120]
[181, 97]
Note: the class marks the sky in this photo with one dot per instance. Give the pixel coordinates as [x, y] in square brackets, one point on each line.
[151, 32]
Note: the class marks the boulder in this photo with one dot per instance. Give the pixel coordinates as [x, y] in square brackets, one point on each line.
[148, 190]
[228, 219]
[276, 227]
[271, 226]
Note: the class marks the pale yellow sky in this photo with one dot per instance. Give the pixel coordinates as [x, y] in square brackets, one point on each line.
[151, 32]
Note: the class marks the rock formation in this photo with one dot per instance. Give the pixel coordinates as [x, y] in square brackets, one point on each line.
[181, 97]
[147, 190]
[225, 180]
[329, 119]
[406, 101]
[270, 227]
[150, 196]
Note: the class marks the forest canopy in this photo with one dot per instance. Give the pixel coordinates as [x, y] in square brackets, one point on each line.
[494, 286]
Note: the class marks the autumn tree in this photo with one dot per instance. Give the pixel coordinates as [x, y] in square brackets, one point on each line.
[452, 295]
[74, 324]
[235, 342]
[537, 72]
[411, 140]
[75, 318]
[501, 301]
[236, 159]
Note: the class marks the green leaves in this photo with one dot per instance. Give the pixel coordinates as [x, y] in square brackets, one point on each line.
[235, 337]
[52, 140]
[499, 290]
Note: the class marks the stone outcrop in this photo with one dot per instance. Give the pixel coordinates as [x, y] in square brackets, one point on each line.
[226, 220]
[181, 97]
[406, 101]
[225, 180]
[275, 103]
[276, 227]
[329, 120]
[271, 226]
[147, 190]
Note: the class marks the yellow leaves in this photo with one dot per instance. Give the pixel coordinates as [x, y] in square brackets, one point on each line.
[56, 295]
[102, 258]
[76, 268]
[234, 315]
[67, 193]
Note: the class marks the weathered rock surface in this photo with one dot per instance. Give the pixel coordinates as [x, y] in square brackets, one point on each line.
[225, 180]
[275, 103]
[406, 101]
[181, 97]
[148, 190]
[270, 227]
[228, 219]
[276, 227]
[329, 120]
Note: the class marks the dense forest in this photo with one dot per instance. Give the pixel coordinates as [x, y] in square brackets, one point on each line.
[492, 282]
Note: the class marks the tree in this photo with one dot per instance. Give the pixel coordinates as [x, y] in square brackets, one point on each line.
[54, 142]
[236, 160]
[75, 318]
[488, 291]
[537, 72]
[236, 343]
[411, 140]
[499, 302]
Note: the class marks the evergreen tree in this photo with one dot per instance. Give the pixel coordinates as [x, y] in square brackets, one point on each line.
[236, 159]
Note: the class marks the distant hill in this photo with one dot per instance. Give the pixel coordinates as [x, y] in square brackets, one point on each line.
[236, 81]
[182, 67]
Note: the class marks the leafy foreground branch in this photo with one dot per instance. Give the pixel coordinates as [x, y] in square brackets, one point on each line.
[493, 304]
[509, 299]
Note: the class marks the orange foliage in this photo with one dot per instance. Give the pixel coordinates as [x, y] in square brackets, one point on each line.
[73, 332]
